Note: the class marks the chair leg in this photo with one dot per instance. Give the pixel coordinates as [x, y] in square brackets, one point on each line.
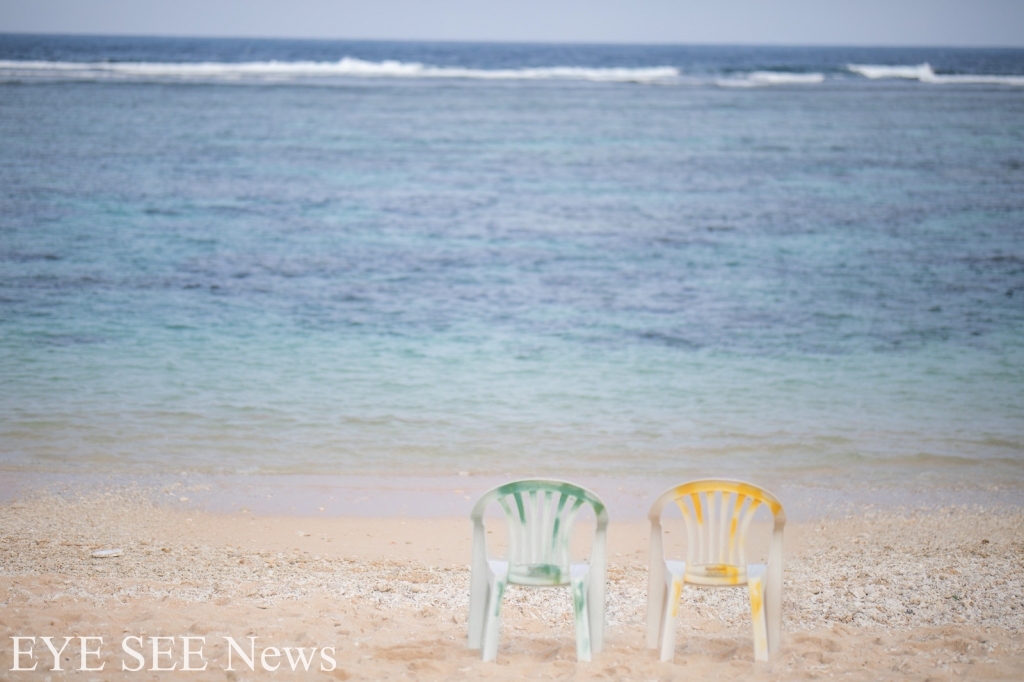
[655, 610]
[671, 614]
[479, 597]
[596, 609]
[773, 611]
[757, 615]
[492, 620]
[581, 616]
[664, 603]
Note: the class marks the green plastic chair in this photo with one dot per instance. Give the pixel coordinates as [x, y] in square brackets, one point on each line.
[717, 513]
[539, 515]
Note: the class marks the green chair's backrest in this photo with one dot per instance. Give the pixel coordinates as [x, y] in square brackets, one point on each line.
[539, 514]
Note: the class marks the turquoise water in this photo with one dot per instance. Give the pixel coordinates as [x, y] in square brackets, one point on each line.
[594, 270]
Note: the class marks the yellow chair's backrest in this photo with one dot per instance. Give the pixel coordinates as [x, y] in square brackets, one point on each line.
[718, 513]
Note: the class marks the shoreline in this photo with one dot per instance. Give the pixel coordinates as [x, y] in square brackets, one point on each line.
[916, 594]
[435, 496]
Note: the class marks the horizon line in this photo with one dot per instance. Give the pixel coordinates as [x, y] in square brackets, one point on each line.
[466, 41]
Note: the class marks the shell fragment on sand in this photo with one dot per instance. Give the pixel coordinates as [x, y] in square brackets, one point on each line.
[107, 553]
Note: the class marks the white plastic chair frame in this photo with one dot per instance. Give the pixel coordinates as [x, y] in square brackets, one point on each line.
[717, 515]
[539, 515]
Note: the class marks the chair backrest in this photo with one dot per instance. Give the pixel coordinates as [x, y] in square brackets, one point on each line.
[539, 514]
[718, 513]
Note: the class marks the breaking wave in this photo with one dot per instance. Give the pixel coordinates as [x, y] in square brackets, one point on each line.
[763, 78]
[925, 74]
[347, 67]
[350, 67]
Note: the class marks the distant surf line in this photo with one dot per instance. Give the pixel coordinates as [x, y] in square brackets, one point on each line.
[350, 67]
[277, 71]
[925, 74]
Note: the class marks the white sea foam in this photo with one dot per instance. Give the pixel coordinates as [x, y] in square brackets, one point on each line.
[347, 67]
[925, 74]
[763, 78]
[874, 71]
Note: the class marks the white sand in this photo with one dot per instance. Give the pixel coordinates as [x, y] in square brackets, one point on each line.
[926, 595]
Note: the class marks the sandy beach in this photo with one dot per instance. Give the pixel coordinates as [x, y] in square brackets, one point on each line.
[919, 594]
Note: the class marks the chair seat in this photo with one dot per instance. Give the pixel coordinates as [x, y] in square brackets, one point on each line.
[537, 575]
[714, 575]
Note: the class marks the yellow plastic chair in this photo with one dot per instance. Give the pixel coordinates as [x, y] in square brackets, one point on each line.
[717, 514]
[539, 515]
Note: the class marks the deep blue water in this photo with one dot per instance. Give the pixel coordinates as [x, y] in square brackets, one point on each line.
[506, 266]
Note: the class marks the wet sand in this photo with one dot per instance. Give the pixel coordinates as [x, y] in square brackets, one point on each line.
[913, 594]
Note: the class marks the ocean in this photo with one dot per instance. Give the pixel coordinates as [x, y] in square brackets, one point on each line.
[412, 259]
